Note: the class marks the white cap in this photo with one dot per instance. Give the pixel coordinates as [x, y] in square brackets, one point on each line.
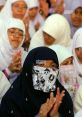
[32, 3]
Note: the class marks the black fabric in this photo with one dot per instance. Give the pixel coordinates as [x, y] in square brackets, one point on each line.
[22, 100]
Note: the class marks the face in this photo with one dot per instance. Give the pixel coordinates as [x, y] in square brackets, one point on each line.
[15, 37]
[68, 61]
[48, 39]
[44, 75]
[76, 17]
[78, 52]
[19, 9]
[33, 12]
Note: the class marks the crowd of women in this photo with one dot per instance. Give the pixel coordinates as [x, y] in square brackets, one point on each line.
[41, 58]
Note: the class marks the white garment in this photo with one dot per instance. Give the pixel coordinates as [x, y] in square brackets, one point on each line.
[79, 114]
[4, 85]
[78, 100]
[77, 42]
[57, 27]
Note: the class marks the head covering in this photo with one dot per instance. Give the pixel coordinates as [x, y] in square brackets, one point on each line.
[78, 100]
[79, 114]
[62, 52]
[77, 42]
[6, 50]
[6, 12]
[32, 3]
[58, 27]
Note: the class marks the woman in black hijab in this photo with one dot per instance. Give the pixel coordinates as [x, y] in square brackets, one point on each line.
[32, 89]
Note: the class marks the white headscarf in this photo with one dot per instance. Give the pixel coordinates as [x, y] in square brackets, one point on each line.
[6, 12]
[62, 52]
[58, 27]
[77, 42]
[33, 3]
[6, 50]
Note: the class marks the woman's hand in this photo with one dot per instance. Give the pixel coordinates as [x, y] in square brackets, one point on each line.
[52, 104]
[15, 65]
[59, 97]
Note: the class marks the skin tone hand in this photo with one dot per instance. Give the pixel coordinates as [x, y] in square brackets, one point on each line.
[52, 104]
[15, 65]
[59, 97]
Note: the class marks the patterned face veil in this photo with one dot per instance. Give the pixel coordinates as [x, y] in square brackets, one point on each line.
[44, 78]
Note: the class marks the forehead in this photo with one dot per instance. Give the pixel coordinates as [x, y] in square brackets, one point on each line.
[20, 2]
[15, 29]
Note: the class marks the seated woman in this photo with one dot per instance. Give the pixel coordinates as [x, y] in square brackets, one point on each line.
[37, 90]
[12, 55]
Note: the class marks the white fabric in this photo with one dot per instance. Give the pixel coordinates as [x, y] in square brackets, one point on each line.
[6, 12]
[57, 27]
[4, 85]
[6, 50]
[32, 3]
[62, 52]
[78, 100]
[79, 114]
[77, 42]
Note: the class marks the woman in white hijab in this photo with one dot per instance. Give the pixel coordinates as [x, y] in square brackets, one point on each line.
[17, 9]
[67, 71]
[74, 15]
[56, 30]
[77, 53]
[12, 54]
